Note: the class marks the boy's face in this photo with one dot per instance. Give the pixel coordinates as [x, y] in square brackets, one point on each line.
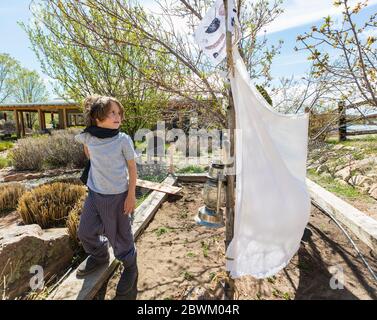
[113, 118]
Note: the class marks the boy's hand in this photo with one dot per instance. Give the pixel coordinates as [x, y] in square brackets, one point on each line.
[130, 203]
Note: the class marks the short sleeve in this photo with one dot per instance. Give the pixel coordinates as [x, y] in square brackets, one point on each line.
[128, 148]
[81, 138]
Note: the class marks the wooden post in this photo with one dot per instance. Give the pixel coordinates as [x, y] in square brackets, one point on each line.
[40, 120]
[15, 112]
[65, 122]
[229, 212]
[22, 124]
[61, 120]
[342, 121]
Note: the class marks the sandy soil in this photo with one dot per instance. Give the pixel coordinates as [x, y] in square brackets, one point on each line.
[179, 260]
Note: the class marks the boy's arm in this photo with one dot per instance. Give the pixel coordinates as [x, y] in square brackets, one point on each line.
[130, 203]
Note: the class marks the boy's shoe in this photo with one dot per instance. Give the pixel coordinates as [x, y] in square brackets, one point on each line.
[127, 285]
[89, 265]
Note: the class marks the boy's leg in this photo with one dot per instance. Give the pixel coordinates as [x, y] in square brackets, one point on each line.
[118, 230]
[90, 233]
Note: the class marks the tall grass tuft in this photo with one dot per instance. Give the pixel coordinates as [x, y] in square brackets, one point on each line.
[49, 205]
[73, 221]
[9, 196]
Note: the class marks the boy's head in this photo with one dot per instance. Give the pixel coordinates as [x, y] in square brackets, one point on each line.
[105, 112]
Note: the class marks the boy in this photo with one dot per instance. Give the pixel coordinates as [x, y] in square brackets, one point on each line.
[111, 198]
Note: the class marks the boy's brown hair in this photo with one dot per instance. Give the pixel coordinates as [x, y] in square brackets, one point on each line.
[98, 107]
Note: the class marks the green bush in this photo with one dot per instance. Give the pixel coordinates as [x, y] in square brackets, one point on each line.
[49, 205]
[5, 145]
[4, 162]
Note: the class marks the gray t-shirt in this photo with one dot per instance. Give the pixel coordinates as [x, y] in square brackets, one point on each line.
[108, 172]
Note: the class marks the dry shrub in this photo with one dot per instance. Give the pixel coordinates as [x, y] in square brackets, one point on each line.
[49, 205]
[29, 153]
[73, 221]
[9, 196]
[317, 122]
[63, 151]
[55, 151]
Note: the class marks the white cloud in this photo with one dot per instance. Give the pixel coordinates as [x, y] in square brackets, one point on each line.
[298, 13]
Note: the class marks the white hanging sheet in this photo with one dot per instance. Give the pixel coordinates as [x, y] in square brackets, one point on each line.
[272, 201]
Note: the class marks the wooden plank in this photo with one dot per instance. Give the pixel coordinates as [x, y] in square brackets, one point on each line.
[192, 177]
[74, 288]
[359, 133]
[163, 187]
[363, 226]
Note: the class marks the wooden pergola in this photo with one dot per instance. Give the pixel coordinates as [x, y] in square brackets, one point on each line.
[69, 114]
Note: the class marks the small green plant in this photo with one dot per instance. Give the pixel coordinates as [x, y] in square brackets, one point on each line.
[191, 169]
[212, 276]
[286, 296]
[205, 248]
[191, 254]
[155, 178]
[188, 276]
[271, 279]
[162, 230]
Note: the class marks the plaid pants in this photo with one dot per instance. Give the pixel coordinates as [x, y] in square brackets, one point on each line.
[102, 221]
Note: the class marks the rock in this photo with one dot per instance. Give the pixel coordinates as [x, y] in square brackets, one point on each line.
[344, 174]
[22, 247]
[363, 164]
[201, 293]
[373, 191]
[322, 168]
[338, 147]
[359, 180]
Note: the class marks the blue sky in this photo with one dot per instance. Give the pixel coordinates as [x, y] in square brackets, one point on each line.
[298, 17]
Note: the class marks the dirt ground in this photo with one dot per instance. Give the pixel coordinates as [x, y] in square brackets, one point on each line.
[178, 259]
